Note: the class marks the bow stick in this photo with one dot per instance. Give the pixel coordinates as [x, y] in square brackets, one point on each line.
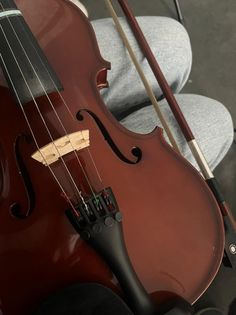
[142, 76]
[229, 221]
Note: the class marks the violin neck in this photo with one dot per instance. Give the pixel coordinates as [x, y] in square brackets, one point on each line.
[24, 65]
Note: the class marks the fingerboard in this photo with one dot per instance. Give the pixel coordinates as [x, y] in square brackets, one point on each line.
[25, 67]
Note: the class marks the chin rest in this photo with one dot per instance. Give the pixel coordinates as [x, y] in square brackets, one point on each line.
[84, 299]
[178, 306]
[95, 299]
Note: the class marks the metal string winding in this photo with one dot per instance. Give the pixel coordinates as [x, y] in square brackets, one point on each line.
[33, 135]
[42, 118]
[68, 109]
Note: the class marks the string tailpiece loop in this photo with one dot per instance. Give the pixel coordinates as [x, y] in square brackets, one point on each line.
[99, 223]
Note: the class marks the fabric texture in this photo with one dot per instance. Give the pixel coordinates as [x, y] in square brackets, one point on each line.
[208, 119]
[127, 99]
[170, 44]
[84, 299]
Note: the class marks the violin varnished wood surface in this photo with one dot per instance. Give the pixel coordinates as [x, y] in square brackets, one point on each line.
[159, 196]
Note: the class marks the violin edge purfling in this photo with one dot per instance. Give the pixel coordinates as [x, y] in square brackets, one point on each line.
[229, 220]
[48, 250]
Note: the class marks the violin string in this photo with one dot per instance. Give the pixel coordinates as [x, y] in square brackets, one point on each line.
[69, 111]
[66, 105]
[33, 135]
[42, 118]
[44, 122]
[55, 112]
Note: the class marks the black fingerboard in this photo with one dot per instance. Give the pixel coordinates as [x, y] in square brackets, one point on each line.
[26, 68]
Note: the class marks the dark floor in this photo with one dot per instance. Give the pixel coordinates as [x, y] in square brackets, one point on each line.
[212, 29]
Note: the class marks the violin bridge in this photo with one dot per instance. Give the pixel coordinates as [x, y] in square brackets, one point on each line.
[53, 151]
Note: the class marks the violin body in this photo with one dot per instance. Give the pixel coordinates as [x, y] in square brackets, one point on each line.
[172, 224]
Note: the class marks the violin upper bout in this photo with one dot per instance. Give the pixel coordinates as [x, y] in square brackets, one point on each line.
[102, 73]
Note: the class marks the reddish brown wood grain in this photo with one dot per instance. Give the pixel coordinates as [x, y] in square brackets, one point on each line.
[172, 224]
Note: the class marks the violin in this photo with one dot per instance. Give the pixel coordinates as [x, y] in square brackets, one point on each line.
[82, 199]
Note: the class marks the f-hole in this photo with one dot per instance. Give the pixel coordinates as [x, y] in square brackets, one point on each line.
[16, 209]
[136, 152]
